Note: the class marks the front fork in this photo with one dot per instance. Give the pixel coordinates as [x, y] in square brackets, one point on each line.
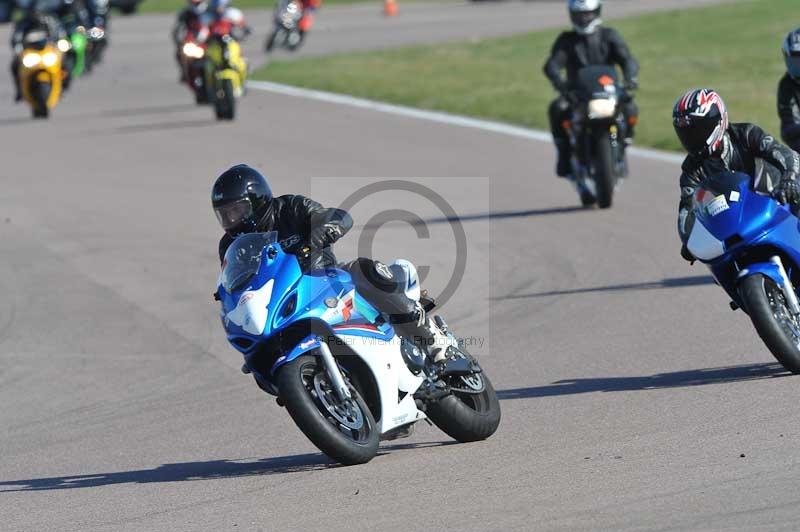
[786, 286]
[332, 369]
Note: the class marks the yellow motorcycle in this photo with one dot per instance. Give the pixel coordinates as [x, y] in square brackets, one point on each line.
[226, 74]
[41, 75]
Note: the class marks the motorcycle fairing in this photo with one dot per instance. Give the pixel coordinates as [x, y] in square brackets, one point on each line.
[741, 220]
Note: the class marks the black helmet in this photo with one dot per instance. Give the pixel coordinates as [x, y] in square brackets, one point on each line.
[585, 15]
[701, 120]
[791, 54]
[241, 198]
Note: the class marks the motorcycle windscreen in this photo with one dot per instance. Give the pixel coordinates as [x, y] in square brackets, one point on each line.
[598, 81]
[243, 259]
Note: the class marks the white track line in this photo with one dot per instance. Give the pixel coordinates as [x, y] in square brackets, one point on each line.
[435, 116]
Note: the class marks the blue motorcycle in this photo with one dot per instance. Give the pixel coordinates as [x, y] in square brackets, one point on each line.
[751, 244]
[335, 362]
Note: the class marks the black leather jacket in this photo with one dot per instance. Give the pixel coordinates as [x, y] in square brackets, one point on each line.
[741, 146]
[573, 51]
[789, 111]
[294, 217]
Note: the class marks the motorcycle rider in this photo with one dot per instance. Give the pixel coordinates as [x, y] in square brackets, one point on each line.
[789, 91]
[309, 8]
[243, 203]
[589, 43]
[713, 145]
[198, 16]
[37, 15]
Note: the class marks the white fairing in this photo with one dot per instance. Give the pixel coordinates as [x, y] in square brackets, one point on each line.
[251, 312]
[392, 376]
[703, 244]
[412, 288]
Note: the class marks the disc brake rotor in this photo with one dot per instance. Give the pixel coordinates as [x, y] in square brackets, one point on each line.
[347, 413]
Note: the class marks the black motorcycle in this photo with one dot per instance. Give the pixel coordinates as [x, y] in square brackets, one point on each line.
[286, 33]
[597, 133]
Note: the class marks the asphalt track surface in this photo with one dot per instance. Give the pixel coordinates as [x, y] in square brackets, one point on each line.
[633, 398]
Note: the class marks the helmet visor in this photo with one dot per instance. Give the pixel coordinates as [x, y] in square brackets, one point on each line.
[793, 65]
[582, 19]
[694, 134]
[234, 214]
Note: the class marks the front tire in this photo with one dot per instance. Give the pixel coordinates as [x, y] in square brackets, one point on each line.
[467, 417]
[225, 101]
[40, 93]
[766, 305]
[345, 432]
[604, 171]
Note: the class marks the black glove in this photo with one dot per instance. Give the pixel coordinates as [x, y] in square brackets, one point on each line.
[631, 84]
[687, 255]
[787, 192]
[320, 237]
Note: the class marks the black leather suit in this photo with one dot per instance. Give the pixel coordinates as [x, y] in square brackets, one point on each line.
[742, 148]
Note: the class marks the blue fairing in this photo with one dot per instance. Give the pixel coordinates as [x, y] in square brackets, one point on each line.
[746, 222]
[324, 297]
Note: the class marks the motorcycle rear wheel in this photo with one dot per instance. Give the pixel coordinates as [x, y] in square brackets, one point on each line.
[766, 305]
[467, 417]
[345, 432]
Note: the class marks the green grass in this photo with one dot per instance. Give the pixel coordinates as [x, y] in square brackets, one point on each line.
[161, 6]
[734, 48]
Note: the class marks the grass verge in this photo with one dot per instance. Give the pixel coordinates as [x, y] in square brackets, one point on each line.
[162, 6]
[734, 48]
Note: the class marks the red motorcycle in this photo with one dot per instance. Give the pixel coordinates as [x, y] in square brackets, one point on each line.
[193, 57]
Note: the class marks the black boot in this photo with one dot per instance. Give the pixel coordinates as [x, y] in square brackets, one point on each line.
[424, 332]
[564, 164]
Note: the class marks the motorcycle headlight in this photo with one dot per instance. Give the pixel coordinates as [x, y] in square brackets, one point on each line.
[49, 59]
[602, 108]
[30, 60]
[190, 49]
[64, 45]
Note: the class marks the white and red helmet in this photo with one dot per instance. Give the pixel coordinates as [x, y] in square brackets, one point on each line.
[701, 120]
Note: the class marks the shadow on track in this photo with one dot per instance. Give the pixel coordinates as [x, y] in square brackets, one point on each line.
[679, 282]
[150, 110]
[210, 470]
[414, 221]
[678, 379]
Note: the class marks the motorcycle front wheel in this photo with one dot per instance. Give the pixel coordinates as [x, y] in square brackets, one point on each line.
[344, 430]
[766, 305]
[604, 174]
[467, 415]
[225, 101]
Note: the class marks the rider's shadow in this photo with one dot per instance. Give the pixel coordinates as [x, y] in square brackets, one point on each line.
[678, 379]
[177, 472]
[213, 469]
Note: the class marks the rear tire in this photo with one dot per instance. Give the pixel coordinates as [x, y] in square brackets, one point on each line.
[299, 383]
[604, 175]
[467, 417]
[225, 101]
[765, 304]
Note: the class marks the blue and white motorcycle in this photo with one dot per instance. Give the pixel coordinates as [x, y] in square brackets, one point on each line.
[335, 362]
[751, 244]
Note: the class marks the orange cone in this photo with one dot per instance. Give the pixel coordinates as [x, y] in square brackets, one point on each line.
[390, 8]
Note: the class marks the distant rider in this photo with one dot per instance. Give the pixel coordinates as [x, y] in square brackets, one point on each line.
[198, 18]
[713, 145]
[309, 8]
[789, 92]
[589, 44]
[243, 203]
[34, 18]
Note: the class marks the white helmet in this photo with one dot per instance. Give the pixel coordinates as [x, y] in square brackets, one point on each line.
[585, 15]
